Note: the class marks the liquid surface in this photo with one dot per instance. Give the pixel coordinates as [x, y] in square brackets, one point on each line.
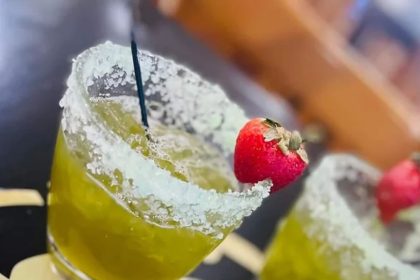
[186, 156]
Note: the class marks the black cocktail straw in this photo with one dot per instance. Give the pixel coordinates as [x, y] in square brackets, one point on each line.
[139, 82]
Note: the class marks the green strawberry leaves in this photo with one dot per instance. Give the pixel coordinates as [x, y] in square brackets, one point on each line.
[286, 141]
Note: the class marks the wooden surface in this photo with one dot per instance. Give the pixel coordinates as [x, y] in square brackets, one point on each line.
[288, 48]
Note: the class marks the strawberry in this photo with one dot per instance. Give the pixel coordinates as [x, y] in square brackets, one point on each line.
[399, 188]
[266, 150]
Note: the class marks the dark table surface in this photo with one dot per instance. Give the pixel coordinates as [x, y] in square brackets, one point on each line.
[38, 40]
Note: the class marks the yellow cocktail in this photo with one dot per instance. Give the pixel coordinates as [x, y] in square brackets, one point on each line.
[126, 204]
[333, 232]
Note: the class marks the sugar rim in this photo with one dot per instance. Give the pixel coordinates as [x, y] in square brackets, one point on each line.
[185, 204]
[322, 200]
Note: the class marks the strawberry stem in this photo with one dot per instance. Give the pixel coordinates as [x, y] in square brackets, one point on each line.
[295, 141]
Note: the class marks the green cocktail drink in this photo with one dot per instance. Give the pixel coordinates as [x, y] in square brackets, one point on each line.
[129, 204]
[333, 231]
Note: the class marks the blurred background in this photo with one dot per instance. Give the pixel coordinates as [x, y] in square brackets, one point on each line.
[348, 67]
[345, 72]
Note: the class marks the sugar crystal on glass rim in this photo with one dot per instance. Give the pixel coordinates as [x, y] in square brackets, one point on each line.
[176, 97]
[333, 221]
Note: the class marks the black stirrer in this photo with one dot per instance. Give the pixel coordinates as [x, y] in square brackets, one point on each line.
[139, 82]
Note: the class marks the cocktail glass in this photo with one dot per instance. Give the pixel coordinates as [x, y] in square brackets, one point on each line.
[114, 213]
[333, 231]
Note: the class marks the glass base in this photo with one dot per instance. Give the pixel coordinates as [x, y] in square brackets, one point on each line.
[62, 266]
[65, 270]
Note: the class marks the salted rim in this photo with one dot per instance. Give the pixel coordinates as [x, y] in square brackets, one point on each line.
[168, 199]
[335, 223]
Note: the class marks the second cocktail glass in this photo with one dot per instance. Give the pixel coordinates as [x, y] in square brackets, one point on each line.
[333, 233]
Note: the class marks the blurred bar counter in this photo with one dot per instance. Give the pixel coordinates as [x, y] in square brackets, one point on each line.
[291, 48]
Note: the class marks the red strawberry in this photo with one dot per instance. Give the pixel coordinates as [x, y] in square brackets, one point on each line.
[399, 188]
[266, 150]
